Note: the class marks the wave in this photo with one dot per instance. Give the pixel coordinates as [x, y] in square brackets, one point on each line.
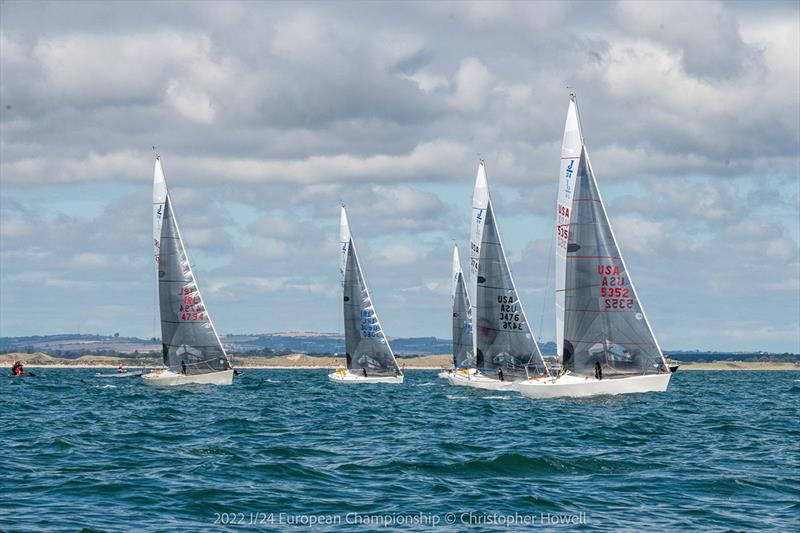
[141, 454]
[499, 397]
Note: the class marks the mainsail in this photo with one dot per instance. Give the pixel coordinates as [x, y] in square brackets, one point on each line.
[462, 321]
[366, 345]
[598, 314]
[190, 343]
[502, 338]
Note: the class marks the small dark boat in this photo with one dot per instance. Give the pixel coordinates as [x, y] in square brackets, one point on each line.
[674, 368]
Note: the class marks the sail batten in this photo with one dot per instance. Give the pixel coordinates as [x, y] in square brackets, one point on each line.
[367, 348]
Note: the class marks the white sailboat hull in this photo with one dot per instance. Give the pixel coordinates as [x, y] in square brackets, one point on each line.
[473, 378]
[571, 386]
[443, 374]
[119, 375]
[351, 377]
[168, 378]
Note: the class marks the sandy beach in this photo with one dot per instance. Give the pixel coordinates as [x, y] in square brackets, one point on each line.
[740, 365]
[292, 361]
[303, 361]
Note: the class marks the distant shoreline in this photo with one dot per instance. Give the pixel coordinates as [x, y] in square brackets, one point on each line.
[264, 367]
[309, 362]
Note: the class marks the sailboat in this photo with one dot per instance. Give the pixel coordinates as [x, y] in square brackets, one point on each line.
[605, 342]
[503, 346]
[369, 357]
[462, 320]
[191, 348]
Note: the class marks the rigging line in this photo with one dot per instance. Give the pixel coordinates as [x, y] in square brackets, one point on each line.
[547, 286]
[155, 302]
[156, 311]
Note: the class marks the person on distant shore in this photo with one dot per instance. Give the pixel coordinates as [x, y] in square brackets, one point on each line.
[500, 375]
[183, 367]
[365, 372]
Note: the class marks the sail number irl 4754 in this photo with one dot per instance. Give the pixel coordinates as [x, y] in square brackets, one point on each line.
[191, 306]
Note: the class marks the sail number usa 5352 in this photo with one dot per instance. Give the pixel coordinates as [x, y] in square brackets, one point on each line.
[614, 293]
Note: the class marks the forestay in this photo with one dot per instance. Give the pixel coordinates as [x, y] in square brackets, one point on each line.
[603, 321]
[502, 337]
[365, 342]
[462, 320]
[188, 337]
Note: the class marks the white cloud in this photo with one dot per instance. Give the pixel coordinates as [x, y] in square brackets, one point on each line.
[115, 69]
[11, 51]
[190, 103]
[705, 34]
[306, 36]
[472, 83]
[638, 235]
[504, 14]
[427, 80]
[91, 260]
[425, 159]
[92, 167]
[268, 114]
[399, 254]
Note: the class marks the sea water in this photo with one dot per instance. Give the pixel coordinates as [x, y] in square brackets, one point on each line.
[289, 450]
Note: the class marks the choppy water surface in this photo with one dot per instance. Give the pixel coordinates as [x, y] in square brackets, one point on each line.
[718, 451]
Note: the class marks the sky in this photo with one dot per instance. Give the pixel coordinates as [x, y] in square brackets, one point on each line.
[267, 115]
